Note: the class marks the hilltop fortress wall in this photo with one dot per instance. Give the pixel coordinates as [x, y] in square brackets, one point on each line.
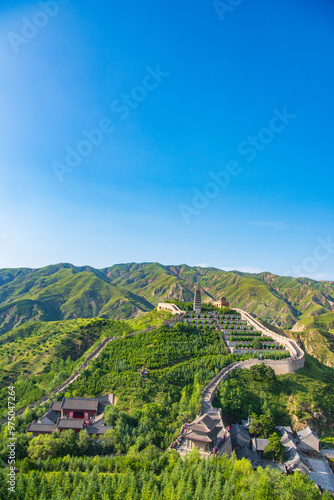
[282, 366]
[297, 359]
[166, 306]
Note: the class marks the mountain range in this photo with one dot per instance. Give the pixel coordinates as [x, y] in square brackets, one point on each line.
[123, 291]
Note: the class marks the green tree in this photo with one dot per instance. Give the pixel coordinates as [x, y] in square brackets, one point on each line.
[274, 449]
[262, 426]
[256, 343]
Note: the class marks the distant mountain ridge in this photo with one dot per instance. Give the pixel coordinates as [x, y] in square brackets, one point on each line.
[65, 291]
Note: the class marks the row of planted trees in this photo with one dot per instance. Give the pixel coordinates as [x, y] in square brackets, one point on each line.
[149, 475]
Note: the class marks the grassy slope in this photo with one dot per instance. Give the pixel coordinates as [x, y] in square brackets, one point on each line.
[149, 319]
[64, 292]
[39, 356]
[317, 336]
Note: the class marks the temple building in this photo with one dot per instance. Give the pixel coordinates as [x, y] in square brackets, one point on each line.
[197, 301]
[221, 302]
[83, 408]
[75, 414]
[205, 433]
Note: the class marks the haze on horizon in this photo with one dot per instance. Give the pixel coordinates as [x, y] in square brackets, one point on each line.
[168, 133]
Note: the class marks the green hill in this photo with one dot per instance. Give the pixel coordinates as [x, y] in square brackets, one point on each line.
[61, 292]
[280, 300]
[126, 291]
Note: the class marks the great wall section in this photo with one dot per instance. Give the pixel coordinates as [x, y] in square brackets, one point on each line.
[288, 365]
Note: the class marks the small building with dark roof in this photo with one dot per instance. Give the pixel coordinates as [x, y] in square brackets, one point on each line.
[94, 430]
[203, 433]
[251, 455]
[79, 407]
[76, 424]
[240, 436]
[38, 428]
[50, 417]
[55, 406]
[259, 445]
[308, 440]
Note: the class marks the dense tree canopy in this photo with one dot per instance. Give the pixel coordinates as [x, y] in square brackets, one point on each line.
[151, 475]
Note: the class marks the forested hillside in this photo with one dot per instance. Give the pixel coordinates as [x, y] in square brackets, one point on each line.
[38, 356]
[151, 475]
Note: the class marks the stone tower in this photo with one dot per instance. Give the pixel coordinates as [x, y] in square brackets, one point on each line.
[197, 301]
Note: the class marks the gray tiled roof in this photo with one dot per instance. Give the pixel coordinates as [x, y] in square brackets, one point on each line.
[260, 444]
[42, 428]
[239, 429]
[305, 433]
[203, 424]
[246, 452]
[52, 415]
[70, 423]
[79, 404]
[55, 406]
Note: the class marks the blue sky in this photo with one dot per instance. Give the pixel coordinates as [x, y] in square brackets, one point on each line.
[243, 93]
